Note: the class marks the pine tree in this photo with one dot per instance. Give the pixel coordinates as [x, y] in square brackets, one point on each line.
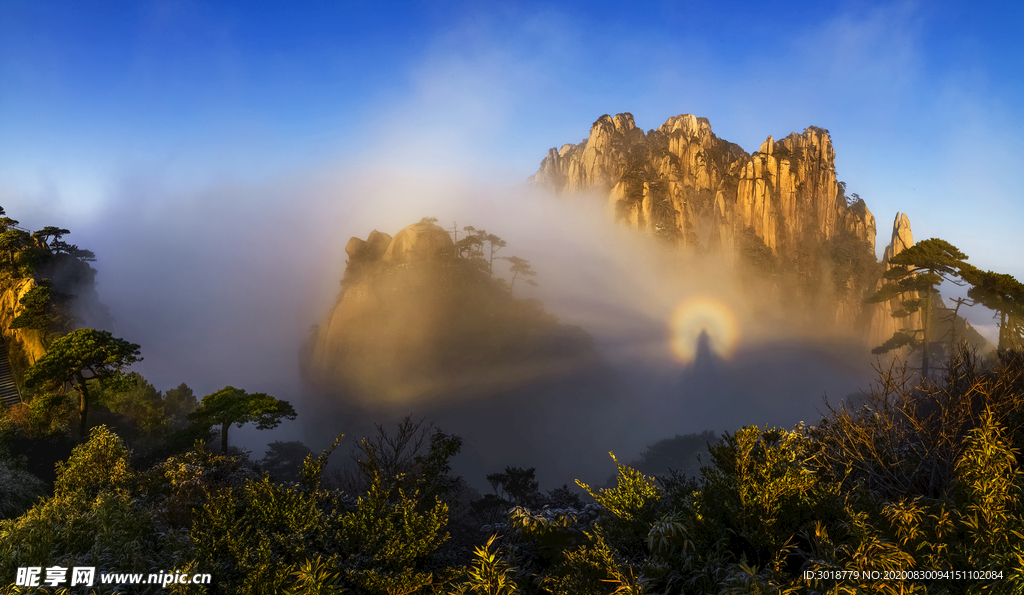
[918, 271]
[1005, 295]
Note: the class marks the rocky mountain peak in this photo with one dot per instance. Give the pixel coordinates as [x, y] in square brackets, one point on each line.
[682, 182]
[421, 241]
[902, 238]
[883, 324]
[688, 126]
[782, 203]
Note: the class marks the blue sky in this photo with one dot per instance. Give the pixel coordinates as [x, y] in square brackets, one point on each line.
[116, 110]
[923, 99]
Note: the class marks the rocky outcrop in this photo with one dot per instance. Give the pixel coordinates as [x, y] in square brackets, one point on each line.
[369, 250]
[414, 320]
[902, 238]
[420, 242]
[947, 325]
[883, 324]
[779, 209]
[24, 346]
[682, 182]
[418, 329]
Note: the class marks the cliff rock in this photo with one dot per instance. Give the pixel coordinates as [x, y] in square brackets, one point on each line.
[883, 325]
[368, 250]
[779, 209]
[682, 182]
[24, 346]
[418, 329]
[420, 242]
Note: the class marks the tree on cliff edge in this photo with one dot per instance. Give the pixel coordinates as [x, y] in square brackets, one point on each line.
[1004, 295]
[232, 405]
[80, 357]
[520, 267]
[919, 270]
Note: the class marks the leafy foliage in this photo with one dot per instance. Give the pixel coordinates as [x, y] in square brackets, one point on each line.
[520, 267]
[101, 464]
[97, 353]
[1004, 295]
[633, 504]
[517, 485]
[256, 534]
[46, 310]
[760, 490]
[93, 519]
[414, 459]
[921, 478]
[136, 409]
[679, 453]
[587, 569]
[178, 403]
[389, 524]
[43, 255]
[79, 357]
[490, 573]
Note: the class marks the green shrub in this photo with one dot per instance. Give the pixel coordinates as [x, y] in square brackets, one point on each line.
[392, 535]
[101, 464]
[94, 518]
[314, 576]
[251, 538]
[181, 485]
[584, 570]
[989, 483]
[760, 492]
[633, 505]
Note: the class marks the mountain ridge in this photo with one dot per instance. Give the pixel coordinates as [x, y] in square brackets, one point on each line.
[780, 209]
[680, 177]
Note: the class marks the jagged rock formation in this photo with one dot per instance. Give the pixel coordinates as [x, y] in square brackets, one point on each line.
[682, 182]
[883, 325]
[368, 250]
[780, 209]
